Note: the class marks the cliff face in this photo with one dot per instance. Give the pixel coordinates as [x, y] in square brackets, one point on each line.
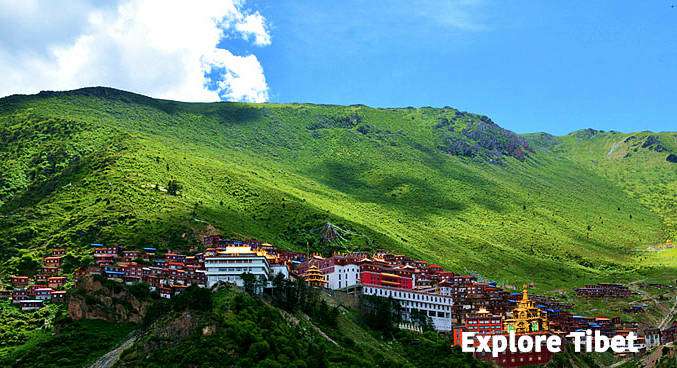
[107, 300]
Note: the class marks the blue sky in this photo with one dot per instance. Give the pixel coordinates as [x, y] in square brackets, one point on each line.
[552, 66]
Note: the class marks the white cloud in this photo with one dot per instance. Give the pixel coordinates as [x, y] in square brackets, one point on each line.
[254, 24]
[464, 15]
[162, 48]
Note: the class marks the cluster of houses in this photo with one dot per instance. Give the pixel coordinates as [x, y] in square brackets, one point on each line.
[168, 272]
[452, 302]
[603, 291]
[31, 293]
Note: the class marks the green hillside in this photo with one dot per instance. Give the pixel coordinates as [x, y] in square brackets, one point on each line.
[443, 185]
[640, 163]
[223, 328]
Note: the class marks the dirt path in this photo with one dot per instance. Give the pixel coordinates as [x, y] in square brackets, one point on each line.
[109, 359]
[668, 316]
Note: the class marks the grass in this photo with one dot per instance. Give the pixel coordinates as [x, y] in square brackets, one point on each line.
[18, 327]
[93, 166]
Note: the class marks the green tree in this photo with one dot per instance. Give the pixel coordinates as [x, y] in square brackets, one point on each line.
[72, 262]
[173, 187]
[421, 319]
[249, 281]
[382, 314]
[27, 265]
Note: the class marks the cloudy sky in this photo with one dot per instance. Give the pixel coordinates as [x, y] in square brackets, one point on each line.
[551, 66]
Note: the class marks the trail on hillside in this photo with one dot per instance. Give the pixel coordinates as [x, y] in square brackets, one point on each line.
[109, 359]
[668, 316]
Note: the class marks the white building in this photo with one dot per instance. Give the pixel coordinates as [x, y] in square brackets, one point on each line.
[652, 338]
[341, 276]
[30, 304]
[276, 268]
[228, 266]
[436, 306]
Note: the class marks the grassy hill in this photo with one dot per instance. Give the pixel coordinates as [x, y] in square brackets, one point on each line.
[447, 186]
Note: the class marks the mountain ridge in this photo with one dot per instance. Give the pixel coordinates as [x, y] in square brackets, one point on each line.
[79, 168]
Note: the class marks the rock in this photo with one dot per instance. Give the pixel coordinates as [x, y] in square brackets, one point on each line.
[671, 158]
[652, 142]
[107, 300]
[208, 330]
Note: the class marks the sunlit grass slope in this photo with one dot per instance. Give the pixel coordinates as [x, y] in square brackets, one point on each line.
[93, 165]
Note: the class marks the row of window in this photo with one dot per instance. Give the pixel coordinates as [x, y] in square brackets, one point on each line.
[473, 322]
[240, 269]
[232, 261]
[407, 295]
[341, 270]
[433, 314]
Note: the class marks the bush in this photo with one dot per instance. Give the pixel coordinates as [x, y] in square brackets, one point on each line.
[173, 187]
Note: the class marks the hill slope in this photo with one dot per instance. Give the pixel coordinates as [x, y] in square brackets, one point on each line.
[447, 186]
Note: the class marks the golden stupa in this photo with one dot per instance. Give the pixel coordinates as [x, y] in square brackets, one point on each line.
[314, 277]
[526, 317]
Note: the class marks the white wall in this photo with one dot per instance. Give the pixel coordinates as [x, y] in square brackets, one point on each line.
[438, 307]
[343, 276]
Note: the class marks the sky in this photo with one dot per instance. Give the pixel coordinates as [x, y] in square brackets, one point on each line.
[553, 66]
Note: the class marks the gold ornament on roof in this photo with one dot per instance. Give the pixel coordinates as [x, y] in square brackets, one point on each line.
[526, 317]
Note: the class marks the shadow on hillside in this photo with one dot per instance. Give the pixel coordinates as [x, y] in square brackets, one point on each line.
[400, 192]
[443, 168]
[235, 113]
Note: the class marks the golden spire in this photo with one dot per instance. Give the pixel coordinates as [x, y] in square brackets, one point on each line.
[314, 277]
[526, 317]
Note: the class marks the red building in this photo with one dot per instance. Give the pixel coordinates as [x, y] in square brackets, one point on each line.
[43, 293]
[380, 273]
[46, 270]
[56, 281]
[20, 281]
[131, 255]
[58, 296]
[52, 261]
[482, 322]
[106, 250]
[19, 295]
[603, 291]
[103, 259]
[509, 359]
[29, 305]
[173, 257]
[57, 252]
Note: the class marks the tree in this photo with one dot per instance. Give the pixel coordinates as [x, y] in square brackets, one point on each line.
[193, 297]
[173, 187]
[421, 319]
[27, 265]
[249, 283]
[380, 313]
[278, 291]
[72, 262]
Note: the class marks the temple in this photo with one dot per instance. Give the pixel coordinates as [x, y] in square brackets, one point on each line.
[314, 277]
[526, 317]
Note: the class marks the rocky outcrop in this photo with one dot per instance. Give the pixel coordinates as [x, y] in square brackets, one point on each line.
[654, 143]
[96, 298]
[479, 136]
